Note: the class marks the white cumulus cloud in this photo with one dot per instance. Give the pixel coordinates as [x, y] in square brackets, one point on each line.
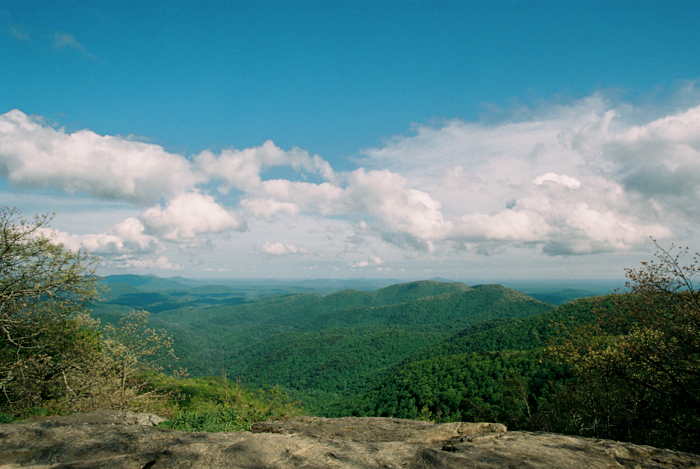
[373, 261]
[279, 249]
[563, 179]
[658, 161]
[571, 179]
[189, 216]
[126, 237]
[123, 246]
[36, 155]
[241, 169]
[384, 195]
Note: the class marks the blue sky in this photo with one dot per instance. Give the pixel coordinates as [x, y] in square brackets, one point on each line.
[414, 139]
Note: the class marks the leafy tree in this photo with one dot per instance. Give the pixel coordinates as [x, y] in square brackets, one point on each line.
[44, 289]
[52, 353]
[132, 353]
[638, 367]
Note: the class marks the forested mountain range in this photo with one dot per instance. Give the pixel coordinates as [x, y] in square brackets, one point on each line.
[323, 348]
[493, 370]
[441, 351]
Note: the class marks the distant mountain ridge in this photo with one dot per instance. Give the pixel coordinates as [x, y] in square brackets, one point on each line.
[348, 345]
[147, 283]
[320, 346]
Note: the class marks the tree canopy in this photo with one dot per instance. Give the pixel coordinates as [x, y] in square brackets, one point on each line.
[52, 353]
[638, 366]
[44, 290]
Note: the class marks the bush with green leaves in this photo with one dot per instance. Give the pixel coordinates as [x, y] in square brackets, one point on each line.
[53, 355]
[212, 404]
[637, 369]
[44, 290]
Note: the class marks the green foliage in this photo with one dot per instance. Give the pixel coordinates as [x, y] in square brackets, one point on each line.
[506, 387]
[221, 420]
[528, 333]
[321, 366]
[53, 355]
[44, 290]
[492, 370]
[333, 354]
[29, 413]
[213, 404]
[637, 369]
[321, 348]
[131, 355]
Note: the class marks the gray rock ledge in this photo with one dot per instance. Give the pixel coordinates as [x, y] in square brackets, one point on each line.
[109, 439]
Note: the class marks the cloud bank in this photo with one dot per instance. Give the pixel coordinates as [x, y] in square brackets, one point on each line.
[189, 216]
[33, 154]
[567, 180]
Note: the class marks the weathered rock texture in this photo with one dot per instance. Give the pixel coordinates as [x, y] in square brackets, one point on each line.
[124, 440]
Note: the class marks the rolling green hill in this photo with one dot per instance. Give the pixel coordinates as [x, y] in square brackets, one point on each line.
[493, 370]
[516, 333]
[333, 351]
[321, 348]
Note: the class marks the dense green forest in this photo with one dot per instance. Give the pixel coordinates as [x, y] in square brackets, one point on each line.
[320, 348]
[324, 350]
[494, 370]
[442, 351]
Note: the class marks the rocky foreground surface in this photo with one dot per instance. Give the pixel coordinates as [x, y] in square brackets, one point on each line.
[109, 439]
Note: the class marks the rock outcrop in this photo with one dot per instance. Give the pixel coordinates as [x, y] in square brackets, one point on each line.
[109, 439]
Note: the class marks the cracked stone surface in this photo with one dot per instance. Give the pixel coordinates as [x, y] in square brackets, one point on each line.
[110, 439]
